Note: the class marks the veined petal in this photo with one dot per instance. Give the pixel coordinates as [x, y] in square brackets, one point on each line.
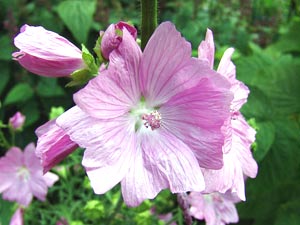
[206, 49]
[41, 43]
[165, 55]
[38, 186]
[162, 162]
[242, 138]
[30, 159]
[53, 145]
[196, 116]
[241, 93]
[109, 145]
[115, 90]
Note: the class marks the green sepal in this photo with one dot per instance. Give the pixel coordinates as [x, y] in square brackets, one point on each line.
[89, 60]
[80, 77]
[97, 49]
[56, 112]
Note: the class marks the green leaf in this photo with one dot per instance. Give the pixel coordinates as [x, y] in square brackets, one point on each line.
[48, 87]
[31, 111]
[19, 93]
[80, 77]
[265, 137]
[78, 17]
[6, 211]
[289, 213]
[6, 48]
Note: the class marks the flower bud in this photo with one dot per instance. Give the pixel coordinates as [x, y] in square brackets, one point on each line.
[112, 37]
[46, 53]
[17, 121]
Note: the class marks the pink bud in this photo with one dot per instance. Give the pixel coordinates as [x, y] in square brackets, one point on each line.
[17, 121]
[46, 53]
[111, 39]
[17, 218]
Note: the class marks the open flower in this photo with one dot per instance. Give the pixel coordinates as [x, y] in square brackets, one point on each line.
[22, 177]
[151, 119]
[214, 208]
[46, 53]
[238, 159]
[16, 121]
[53, 145]
[112, 37]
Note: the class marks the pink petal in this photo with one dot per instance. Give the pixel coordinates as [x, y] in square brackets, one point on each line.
[50, 178]
[46, 67]
[53, 145]
[38, 186]
[162, 162]
[241, 93]
[206, 49]
[116, 89]
[109, 146]
[19, 192]
[166, 66]
[243, 137]
[17, 218]
[31, 160]
[45, 44]
[196, 116]
[226, 67]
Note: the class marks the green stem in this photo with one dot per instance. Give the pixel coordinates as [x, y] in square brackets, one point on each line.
[149, 20]
[3, 142]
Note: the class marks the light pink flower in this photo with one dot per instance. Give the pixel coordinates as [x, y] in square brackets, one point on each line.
[214, 208]
[17, 121]
[150, 119]
[17, 218]
[53, 145]
[111, 39]
[22, 177]
[46, 53]
[238, 160]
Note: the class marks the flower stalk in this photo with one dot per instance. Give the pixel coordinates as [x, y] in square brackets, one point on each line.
[149, 20]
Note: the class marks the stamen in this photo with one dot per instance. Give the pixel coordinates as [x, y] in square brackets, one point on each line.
[152, 120]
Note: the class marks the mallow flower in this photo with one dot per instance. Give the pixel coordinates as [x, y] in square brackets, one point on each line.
[238, 159]
[112, 37]
[53, 145]
[214, 208]
[151, 119]
[22, 177]
[46, 53]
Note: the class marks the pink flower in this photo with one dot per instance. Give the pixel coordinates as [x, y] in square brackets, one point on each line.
[17, 218]
[150, 119]
[22, 177]
[214, 208]
[17, 121]
[46, 53]
[238, 160]
[53, 145]
[111, 39]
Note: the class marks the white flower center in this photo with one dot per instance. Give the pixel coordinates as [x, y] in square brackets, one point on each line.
[147, 116]
[23, 173]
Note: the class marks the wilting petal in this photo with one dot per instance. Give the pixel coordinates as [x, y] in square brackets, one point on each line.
[206, 49]
[196, 117]
[53, 145]
[116, 90]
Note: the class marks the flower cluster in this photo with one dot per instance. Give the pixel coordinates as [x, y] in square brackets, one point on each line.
[151, 120]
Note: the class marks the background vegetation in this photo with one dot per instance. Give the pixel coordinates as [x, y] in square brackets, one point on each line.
[265, 34]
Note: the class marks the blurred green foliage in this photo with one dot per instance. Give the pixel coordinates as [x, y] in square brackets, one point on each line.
[265, 34]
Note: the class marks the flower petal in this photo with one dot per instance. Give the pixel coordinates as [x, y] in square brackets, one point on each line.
[50, 178]
[17, 218]
[41, 43]
[226, 66]
[53, 145]
[115, 90]
[109, 146]
[206, 49]
[38, 186]
[166, 66]
[196, 116]
[31, 161]
[162, 162]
